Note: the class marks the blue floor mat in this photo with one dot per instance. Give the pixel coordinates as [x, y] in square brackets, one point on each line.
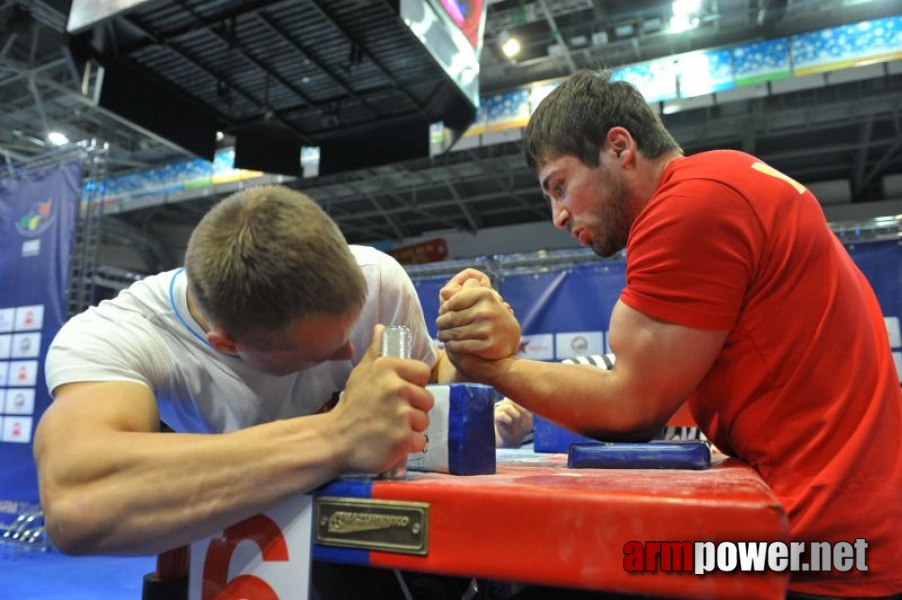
[54, 576]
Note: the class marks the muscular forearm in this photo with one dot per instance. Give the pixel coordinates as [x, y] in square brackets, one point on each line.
[112, 483]
[584, 399]
[445, 372]
[118, 492]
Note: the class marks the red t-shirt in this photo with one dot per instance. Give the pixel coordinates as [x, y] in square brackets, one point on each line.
[805, 388]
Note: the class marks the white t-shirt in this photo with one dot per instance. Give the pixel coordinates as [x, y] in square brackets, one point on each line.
[147, 335]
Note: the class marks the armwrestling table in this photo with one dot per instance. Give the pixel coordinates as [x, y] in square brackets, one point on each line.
[538, 522]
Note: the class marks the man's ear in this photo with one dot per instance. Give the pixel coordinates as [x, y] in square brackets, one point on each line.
[221, 341]
[621, 144]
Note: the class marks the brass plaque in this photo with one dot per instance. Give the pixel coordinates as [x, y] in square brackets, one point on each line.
[385, 525]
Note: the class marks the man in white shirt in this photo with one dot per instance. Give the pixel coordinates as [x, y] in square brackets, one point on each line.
[272, 315]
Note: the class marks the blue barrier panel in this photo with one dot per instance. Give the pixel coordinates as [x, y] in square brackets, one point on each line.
[881, 263]
[564, 309]
[37, 217]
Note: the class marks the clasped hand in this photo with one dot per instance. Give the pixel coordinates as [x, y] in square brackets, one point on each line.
[476, 325]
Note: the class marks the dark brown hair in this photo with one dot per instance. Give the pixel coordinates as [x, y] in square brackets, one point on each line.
[575, 118]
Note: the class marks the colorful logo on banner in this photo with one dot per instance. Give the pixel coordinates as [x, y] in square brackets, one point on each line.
[37, 219]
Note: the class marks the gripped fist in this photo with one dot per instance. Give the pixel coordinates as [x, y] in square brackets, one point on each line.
[383, 413]
[512, 424]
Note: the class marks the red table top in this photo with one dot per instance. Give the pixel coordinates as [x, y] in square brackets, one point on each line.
[537, 521]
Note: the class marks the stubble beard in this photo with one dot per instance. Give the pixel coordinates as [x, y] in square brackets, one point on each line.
[614, 220]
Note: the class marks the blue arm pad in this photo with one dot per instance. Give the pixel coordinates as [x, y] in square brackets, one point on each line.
[651, 455]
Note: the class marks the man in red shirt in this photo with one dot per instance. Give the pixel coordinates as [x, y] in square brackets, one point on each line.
[739, 301]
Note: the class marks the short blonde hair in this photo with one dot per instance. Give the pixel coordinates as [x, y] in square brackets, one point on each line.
[267, 257]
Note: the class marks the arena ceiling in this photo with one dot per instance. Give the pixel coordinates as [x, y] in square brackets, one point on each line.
[227, 59]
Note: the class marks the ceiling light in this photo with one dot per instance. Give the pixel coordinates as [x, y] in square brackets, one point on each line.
[57, 139]
[685, 15]
[680, 23]
[509, 44]
[686, 7]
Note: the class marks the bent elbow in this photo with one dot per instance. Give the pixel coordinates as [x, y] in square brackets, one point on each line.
[68, 527]
[628, 427]
[640, 435]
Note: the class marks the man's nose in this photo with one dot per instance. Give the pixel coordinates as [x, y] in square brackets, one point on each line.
[345, 352]
[559, 215]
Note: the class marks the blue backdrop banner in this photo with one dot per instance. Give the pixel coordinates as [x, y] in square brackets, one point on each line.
[881, 263]
[563, 310]
[37, 219]
[427, 291]
[564, 299]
